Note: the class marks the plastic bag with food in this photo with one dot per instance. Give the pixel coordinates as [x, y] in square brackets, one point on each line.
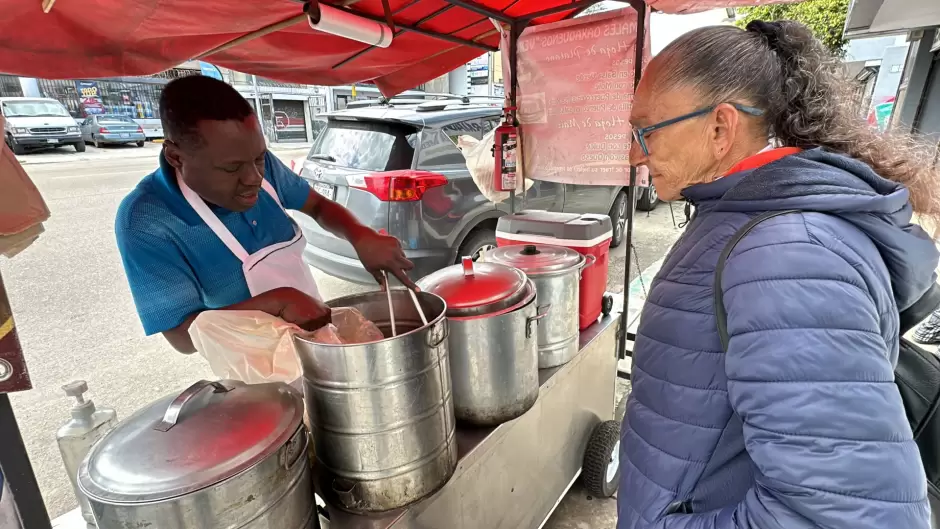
[255, 347]
[482, 165]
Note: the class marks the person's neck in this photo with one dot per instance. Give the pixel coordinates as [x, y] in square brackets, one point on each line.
[739, 154]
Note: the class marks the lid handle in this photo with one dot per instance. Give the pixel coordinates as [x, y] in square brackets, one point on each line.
[467, 262]
[173, 412]
[530, 249]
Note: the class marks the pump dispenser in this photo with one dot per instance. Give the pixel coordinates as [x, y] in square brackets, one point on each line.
[78, 435]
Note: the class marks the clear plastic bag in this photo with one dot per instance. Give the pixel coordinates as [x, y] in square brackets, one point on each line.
[255, 347]
[482, 165]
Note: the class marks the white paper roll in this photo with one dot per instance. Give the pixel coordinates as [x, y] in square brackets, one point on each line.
[345, 24]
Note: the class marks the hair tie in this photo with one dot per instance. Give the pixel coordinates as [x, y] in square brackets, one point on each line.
[769, 31]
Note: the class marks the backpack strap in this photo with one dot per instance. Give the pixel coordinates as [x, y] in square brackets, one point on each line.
[720, 315]
[909, 317]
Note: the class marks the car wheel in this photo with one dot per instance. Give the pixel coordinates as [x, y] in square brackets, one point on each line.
[648, 199]
[79, 147]
[15, 147]
[97, 143]
[477, 243]
[618, 216]
[140, 143]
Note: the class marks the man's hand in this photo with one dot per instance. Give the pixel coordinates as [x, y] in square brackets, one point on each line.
[294, 306]
[382, 253]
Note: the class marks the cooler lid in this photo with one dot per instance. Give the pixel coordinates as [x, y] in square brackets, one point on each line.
[476, 288]
[567, 226]
[192, 440]
[536, 259]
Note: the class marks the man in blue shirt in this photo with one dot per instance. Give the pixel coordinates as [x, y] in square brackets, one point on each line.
[208, 230]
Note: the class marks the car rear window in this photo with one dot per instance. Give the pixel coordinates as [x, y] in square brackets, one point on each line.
[118, 120]
[366, 145]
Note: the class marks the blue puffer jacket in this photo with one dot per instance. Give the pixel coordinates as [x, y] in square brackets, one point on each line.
[799, 425]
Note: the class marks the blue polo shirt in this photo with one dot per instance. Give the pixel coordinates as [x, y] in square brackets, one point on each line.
[175, 264]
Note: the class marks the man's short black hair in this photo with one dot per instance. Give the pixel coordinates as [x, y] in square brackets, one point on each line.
[188, 100]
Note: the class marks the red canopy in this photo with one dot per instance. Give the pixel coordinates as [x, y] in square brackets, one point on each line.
[105, 38]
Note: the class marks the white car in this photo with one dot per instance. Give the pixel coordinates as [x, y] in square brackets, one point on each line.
[38, 123]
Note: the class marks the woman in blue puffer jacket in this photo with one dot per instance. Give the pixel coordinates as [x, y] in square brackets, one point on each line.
[798, 424]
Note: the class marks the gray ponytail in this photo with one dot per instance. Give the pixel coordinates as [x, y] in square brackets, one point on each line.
[781, 68]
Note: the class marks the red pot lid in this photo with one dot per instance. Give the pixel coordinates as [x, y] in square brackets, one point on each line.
[475, 288]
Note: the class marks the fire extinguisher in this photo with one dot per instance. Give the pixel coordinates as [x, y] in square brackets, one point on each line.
[505, 152]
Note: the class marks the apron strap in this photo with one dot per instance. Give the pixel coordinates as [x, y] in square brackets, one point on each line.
[212, 220]
[270, 189]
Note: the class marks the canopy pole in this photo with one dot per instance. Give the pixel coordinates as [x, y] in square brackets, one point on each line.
[474, 7]
[14, 460]
[640, 8]
[515, 30]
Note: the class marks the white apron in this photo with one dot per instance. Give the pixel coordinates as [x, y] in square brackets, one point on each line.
[275, 266]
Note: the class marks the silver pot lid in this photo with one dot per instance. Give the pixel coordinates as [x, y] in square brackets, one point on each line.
[536, 259]
[476, 288]
[188, 441]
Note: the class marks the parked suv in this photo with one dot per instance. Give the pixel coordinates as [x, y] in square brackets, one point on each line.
[34, 123]
[397, 168]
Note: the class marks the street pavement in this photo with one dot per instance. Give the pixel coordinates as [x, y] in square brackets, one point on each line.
[76, 318]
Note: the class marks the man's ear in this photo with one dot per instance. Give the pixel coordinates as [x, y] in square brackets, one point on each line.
[173, 155]
[724, 128]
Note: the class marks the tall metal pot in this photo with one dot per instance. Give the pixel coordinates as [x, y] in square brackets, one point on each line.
[228, 458]
[556, 272]
[492, 316]
[382, 413]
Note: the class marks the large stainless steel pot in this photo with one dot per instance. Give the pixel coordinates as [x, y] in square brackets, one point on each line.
[228, 458]
[382, 413]
[556, 272]
[491, 313]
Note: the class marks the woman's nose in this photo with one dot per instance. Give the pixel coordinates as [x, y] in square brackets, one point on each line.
[637, 156]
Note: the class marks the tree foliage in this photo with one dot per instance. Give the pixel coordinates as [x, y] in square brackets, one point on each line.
[826, 18]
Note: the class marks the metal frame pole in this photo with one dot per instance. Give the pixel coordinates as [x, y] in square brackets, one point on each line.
[640, 8]
[515, 30]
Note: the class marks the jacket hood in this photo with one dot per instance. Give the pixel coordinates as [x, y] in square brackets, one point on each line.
[825, 182]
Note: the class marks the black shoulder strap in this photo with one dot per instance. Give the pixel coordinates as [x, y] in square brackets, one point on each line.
[720, 313]
[909, 317]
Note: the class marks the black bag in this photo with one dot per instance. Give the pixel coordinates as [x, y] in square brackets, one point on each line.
[917, 374]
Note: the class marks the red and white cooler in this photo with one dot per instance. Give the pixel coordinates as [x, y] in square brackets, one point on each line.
[585, 233]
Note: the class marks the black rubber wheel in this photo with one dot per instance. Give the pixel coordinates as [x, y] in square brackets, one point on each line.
[79, 147]
[478, 242]
[97, 143]
[600, 472]
[618, 217]
[140, 143]
[607, 304]
[16, 147]
[648, 200]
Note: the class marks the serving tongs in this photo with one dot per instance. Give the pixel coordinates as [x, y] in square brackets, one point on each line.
[391, 306]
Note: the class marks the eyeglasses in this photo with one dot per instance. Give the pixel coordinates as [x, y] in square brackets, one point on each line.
[639, 134]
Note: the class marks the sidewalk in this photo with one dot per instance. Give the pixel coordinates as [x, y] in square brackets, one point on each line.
[127, 152]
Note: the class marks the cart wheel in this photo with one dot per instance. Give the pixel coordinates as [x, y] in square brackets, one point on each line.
[600, 473]
[607, 304]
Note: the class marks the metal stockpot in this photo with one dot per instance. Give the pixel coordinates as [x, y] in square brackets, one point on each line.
[492, 315]
[228, 458]
[382, 413]
[556, 272]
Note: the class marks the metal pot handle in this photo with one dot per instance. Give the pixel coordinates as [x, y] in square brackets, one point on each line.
[542, 312]
[173, 412]
[589, 261]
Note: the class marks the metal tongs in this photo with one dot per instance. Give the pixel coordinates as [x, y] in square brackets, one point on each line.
[391, 308]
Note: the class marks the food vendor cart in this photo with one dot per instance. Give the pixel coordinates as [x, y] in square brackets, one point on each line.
[512, 475]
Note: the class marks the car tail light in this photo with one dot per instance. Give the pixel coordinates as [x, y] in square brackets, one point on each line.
[103, 130]
[140, 129]
[397, 186]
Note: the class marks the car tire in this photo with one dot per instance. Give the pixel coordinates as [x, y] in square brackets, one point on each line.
[140, 143]
[16, 147]
[79, 147]
[479, 241]
[600, 471]
[648, 200]
[96, 143]
[618, 217]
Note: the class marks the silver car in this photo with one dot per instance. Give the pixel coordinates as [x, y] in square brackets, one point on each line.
[108, 129]
[397, 168]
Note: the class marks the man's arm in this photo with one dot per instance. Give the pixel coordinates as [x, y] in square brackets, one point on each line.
[809, 375]
[377, 252]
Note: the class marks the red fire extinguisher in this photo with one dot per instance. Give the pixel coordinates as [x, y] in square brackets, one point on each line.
[505, 151]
